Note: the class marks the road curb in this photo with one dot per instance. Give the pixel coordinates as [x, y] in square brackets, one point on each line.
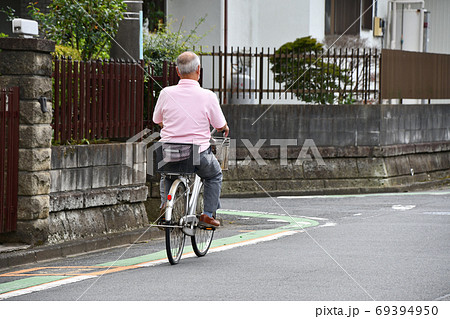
[29, 255]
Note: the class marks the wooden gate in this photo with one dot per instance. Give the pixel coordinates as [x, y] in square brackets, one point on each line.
[9, 158]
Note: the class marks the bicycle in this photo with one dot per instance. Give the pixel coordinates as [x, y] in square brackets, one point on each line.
[184, 203]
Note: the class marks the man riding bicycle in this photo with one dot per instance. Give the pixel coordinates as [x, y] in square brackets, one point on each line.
[185, 113]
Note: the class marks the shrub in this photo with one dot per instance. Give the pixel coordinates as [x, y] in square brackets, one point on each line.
[165, 44]
[86, 25]
[303, 71]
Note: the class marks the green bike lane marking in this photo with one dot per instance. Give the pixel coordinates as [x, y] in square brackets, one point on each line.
[293, 224]
[36, 283]
[28, 282]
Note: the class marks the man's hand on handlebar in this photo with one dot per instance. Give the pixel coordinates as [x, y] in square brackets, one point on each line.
[225, 129]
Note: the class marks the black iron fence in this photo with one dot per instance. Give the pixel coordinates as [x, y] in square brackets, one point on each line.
[256, 76]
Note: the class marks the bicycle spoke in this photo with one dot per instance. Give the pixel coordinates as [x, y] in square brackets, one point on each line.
[203, 235]
[174, 236]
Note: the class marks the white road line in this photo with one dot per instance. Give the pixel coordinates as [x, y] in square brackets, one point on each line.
[255, 241]
[330, 224]
[442, 298]
[403, 207]
[438, 213]
[366, 195]
[314, 218]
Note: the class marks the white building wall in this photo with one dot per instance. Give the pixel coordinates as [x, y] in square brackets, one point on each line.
[439, 32]
[266, 23]
[381, 9]
[316, 19]
[190, 12]
[242, 23]
[251, 23]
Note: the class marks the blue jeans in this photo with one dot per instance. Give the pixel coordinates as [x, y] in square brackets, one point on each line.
[211, 174]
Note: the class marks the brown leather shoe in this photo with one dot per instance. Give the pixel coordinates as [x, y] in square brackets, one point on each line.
[209, 221]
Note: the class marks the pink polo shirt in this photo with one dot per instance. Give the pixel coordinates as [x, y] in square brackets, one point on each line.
[187, 111]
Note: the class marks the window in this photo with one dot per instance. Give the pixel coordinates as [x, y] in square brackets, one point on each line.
[341, 15]
[154, 11]
[366, 22]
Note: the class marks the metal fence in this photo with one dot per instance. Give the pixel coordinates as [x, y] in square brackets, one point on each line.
[9, 158]
[108, 99]
[256, 76]
[105, 99]
[97, 99]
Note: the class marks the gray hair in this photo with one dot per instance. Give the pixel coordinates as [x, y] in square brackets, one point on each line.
[188, 62]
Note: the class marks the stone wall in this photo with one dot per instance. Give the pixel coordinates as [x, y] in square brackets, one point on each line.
[348, 169]
[65, 192]
[364, 148]
[96, 189]
[27, 63]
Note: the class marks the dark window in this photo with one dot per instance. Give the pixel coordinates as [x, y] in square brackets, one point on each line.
[341, 15]
[366, 22]
[329, 17]
[155, 12]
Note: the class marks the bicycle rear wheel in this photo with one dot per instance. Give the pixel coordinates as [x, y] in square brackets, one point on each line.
[175, 237]
[202, 239]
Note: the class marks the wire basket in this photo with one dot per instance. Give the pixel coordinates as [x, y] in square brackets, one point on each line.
[221, 147]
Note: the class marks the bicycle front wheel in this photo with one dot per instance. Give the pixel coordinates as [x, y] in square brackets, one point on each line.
[175, 237]
[201, 241]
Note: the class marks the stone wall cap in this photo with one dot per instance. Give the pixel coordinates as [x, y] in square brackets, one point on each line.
[22, 44]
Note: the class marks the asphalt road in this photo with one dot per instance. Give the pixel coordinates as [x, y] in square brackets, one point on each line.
[353, 247]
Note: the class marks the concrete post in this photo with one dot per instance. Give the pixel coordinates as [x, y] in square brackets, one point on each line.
[129, 35]
[27, 63]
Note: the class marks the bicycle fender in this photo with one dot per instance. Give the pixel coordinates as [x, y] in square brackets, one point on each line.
[169, 203]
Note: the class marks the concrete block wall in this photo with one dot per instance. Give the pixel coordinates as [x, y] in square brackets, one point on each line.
[340, 125]
[364, 148]
[406, 124]
[96, 189]
[345, 170]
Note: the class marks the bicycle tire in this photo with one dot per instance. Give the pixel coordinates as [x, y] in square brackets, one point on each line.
[202, 239]
[175, 237]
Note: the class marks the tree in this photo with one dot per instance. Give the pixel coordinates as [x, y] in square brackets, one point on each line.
[301, 67]
[86, 25]
[166, 45]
